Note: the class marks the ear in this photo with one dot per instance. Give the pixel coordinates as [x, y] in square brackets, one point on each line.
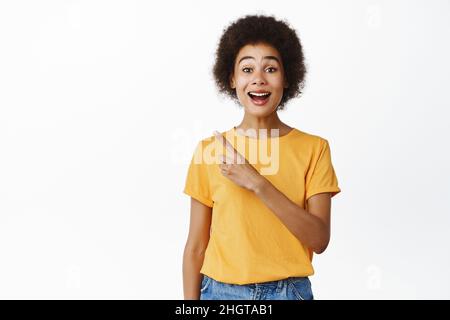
[286, 84]
[232, 83]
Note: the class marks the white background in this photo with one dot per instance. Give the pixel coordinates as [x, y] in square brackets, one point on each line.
[102, 103]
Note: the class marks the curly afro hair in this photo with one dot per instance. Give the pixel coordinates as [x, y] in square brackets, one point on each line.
[253, 29]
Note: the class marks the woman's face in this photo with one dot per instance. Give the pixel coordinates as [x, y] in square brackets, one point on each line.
[258, 78]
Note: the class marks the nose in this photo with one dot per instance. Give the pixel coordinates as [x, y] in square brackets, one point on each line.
[259, 78]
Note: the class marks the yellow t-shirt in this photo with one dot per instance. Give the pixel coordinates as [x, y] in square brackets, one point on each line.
[248, 243]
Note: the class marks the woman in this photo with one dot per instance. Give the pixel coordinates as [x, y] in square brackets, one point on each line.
[258, 214]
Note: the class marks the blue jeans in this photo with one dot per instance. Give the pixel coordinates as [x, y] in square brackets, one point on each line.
[293, 288]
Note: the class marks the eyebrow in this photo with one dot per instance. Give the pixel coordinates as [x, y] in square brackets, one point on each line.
[266, 57]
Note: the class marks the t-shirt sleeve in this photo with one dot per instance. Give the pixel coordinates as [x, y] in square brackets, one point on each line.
[197, 181]
[321, 176]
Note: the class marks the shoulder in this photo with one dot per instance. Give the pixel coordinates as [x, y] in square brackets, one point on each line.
[311, 140]
[206, 140]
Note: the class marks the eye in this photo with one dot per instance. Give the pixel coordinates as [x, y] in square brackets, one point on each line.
[270, 68]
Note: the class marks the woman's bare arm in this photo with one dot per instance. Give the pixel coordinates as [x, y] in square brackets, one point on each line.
[194, 251]
[312, 226]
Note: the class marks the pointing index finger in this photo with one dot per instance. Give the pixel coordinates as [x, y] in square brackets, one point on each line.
[227, 145]
[235, 155]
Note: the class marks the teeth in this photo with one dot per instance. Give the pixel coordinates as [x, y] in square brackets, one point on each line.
[260, 94]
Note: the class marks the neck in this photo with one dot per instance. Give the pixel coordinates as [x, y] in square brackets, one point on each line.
[270, 122]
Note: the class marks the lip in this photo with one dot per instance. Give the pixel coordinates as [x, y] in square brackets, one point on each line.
[256, 102]
[259, 91]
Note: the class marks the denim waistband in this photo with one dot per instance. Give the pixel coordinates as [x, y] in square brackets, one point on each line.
[275, 283]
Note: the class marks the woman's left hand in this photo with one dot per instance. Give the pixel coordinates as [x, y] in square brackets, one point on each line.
[237, 168]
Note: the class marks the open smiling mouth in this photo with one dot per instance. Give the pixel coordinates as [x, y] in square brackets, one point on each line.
[259, 98]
